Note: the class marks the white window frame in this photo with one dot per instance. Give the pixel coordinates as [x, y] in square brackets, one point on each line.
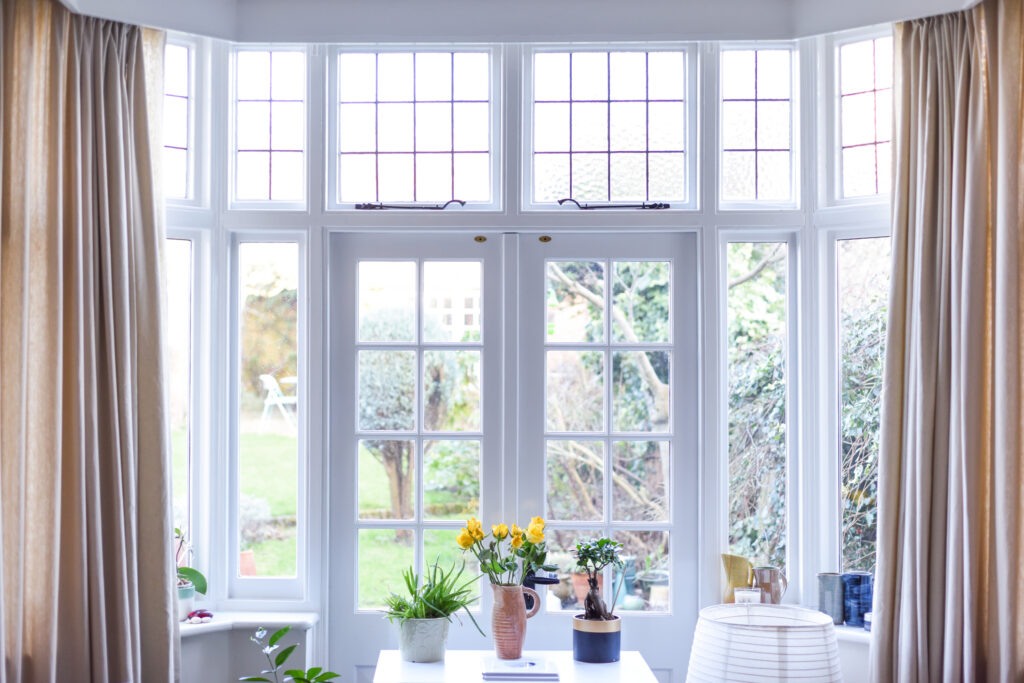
[496, 55]
[792, 373]
[811, 226]
[797, 49]
[231, 146]
[199, 394]
[693, 122]
[830, 151]
[197, 184]
[287, 588]
[829, 555]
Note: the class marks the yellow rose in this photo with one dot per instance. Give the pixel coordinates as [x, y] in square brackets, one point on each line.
[464, 539]
[538, 521]
[516, 531]
[517, 541]
[475, 529]
[500, 531]
[535, 533]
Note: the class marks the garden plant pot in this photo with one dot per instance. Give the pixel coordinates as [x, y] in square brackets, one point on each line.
[596, 641]
[580, 587]
[655, 577]
[186, 600]
[423, 640]
[508, 619]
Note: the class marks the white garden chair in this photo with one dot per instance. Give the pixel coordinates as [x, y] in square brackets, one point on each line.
[277, 398]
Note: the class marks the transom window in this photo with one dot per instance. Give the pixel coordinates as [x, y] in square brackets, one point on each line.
[609, 126]
[757, 126]
[270, 126]
[865, 97]
[414, 127]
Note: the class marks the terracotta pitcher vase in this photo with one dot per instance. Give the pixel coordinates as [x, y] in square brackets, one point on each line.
[508, 619]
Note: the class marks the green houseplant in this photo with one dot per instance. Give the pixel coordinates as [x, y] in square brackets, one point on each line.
[277, 662]
[190, 580]
[425, 610]
[597, 633]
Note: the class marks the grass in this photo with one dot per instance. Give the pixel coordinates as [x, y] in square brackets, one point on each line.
[268, 470]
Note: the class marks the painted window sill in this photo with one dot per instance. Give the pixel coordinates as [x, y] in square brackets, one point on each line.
[228, 621]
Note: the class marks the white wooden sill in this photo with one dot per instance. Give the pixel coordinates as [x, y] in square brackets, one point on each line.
[239, 621]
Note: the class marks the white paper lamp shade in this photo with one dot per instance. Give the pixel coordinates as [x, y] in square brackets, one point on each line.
[761, 642]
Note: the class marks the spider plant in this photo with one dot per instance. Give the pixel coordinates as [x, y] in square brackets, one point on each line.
[441, 594]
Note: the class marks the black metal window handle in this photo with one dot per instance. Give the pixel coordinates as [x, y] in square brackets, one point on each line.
[595, 207]
[414, 207]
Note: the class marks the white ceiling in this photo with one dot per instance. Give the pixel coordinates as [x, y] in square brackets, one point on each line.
[509, 20]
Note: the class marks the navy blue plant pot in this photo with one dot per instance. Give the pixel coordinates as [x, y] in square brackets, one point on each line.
[596, 642]
[857, 594]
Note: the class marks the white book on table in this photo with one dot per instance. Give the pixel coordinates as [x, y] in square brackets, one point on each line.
[523, 669]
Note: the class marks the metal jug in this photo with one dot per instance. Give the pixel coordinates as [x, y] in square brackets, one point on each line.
[772, 583]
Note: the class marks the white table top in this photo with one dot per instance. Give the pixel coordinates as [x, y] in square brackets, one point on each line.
[466, 666]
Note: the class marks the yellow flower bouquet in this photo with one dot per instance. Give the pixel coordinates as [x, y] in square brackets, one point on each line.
[507, 555]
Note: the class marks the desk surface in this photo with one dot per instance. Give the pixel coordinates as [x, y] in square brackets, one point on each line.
[466, 666]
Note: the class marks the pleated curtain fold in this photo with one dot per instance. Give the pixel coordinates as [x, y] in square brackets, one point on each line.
[949, 601]
[86, 573]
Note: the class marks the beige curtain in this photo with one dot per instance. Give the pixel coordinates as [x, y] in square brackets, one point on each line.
[85, 563]
[949, 597]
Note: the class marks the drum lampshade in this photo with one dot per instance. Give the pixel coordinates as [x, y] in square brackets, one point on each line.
[761, 642]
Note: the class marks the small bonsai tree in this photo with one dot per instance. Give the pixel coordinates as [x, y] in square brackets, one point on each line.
[592, 557]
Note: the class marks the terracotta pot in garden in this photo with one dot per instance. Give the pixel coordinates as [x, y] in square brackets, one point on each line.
[508, 619]
[580, 587]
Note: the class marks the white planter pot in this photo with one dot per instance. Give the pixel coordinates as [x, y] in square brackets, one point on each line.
[186, 601]
[423, 640]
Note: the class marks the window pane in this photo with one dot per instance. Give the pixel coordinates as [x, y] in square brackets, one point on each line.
[451, 479]
[756, 333]
[268, 276]
[643, 110]
[568, 595]
[575, 391]
[177, 121]
[863, 283]
[451, 391]
[405, 104]
[270, 116]
[640, 476]
[387, 301]
[383, 555]
[178, 347]
[574, 487]
[640, 391]
[647, 554]
[387, 390]
[575, 301]
[382, 462]
[451, 301]
[640, 295]
[757, 125]
[865, 87]
[439, 546]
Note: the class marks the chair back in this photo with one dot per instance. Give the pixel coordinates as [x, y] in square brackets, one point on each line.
[271, 385]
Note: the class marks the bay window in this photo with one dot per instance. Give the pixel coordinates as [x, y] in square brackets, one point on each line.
[690, 382]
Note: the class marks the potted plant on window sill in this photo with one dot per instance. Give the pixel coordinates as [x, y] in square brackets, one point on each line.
[597, 633]
[189, 580]
[424, 614]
